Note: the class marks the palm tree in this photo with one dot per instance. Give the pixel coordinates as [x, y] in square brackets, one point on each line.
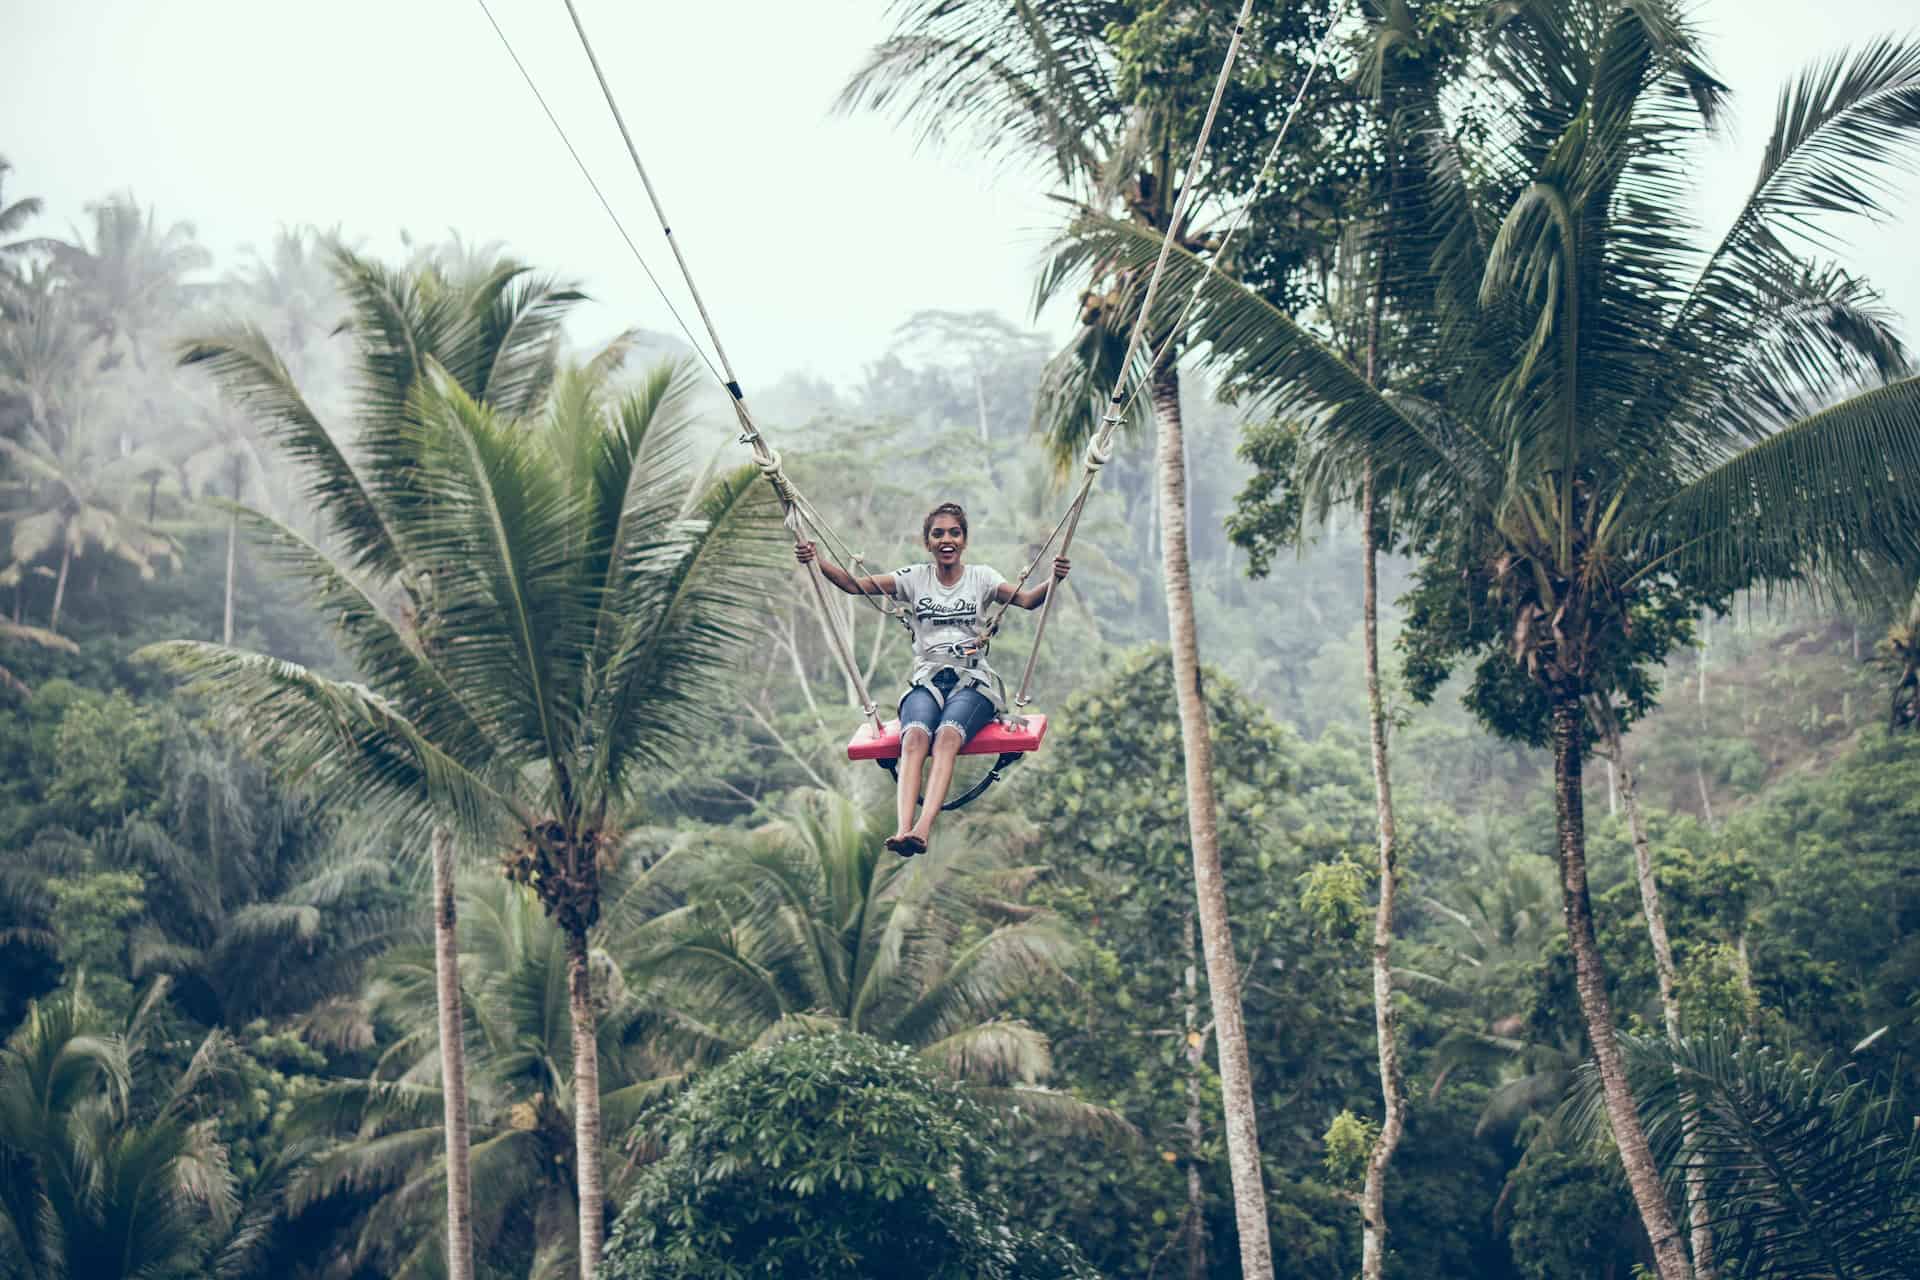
[222, 460]
[294, 292]
[258, 906]
[13, 217]
[515, 974]
[1043, 83]
[1603, 425]
[574, 601]
[494, 338]
[89, 1187]
[1813, 1172]
[45, 348]
[131, 281]
[83, 483]
[809, 922]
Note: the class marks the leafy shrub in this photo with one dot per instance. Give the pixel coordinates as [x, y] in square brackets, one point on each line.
[827, 1154]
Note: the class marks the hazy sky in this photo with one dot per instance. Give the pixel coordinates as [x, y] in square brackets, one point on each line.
[812, 235]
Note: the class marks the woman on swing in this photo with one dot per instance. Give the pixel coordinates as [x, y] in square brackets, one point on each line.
[952, 693]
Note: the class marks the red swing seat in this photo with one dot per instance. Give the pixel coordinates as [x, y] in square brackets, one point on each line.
[995, 739]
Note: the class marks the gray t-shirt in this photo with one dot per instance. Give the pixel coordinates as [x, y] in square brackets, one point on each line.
[942, 616]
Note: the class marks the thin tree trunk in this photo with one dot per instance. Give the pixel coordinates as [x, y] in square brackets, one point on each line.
[1663, 967]
[1373, 1196]
[1209, 883]
[1699, 1224]
[453, 1062]
[980, 404]
[1590, 979]
[60, 583]
[1196, 1122]
[1700, 655]
[587, 1145]
[233, 541]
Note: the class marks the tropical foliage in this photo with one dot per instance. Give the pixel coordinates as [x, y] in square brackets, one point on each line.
[496, 880]
[823, 1153]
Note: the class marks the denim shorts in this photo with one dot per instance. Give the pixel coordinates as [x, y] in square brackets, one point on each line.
[968, 710]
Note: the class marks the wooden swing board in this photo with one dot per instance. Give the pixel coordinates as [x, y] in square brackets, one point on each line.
[995, 739]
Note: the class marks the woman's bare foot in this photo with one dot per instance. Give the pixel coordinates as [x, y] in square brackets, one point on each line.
[896, 841]
[911, 845]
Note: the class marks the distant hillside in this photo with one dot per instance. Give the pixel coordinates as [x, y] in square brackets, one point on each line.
[1764, 700]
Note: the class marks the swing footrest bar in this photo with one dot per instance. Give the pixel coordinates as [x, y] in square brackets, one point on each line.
[973, 792]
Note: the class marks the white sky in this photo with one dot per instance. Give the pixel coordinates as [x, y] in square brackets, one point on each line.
[813, 236]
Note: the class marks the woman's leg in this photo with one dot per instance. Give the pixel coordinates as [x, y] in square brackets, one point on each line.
[913, 758]
[946, 752]
[966, 713]
[919, 712]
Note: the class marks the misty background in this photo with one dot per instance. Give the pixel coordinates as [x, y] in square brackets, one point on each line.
[812, 235]
[196, 159]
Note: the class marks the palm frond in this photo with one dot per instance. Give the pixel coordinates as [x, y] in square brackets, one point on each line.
[1808, 1171]
[1828, 498]
[517, 341]
[345, 739]
[505, 583]
[1841, 130]
[38, 636]
[993, 1052]
[372, 1165]
[384, 651]
[689, 613]
[1025, 80]
[367, 1106]
[984, 977]
[251, 373]
[1053, 1112]
[629, 469]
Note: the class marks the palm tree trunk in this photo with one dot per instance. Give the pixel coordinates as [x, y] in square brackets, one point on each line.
[453, 1062]
[1373, 1197]
[1209, 883]
[60, 583]
[1590, 979]
[587, 1144]
[1699, 1225]
[1195, 1122]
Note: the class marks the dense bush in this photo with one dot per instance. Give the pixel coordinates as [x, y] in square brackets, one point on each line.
[825, 1155]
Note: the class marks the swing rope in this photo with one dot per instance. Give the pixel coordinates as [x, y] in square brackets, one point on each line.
[795, 510]
[798, 513]
[600, 195]
[1100, 449]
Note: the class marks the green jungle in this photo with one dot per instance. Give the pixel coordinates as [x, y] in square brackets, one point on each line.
[1478, 834]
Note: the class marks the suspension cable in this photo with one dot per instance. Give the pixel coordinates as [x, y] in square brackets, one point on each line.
[1100, 449]
[606, 204]
[798, 512]
[763, 455]
[1267, 169]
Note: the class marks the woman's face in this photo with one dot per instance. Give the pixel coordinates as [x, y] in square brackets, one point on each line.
[946, 540]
